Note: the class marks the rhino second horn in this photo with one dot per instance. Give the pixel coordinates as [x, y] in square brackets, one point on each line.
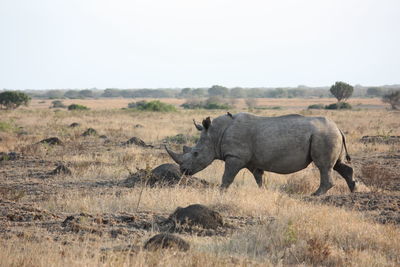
[198, 126]
[175, 156]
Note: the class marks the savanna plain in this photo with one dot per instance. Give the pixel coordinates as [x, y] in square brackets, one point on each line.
[90, 216]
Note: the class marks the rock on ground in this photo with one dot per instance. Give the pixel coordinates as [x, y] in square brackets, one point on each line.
[136, 141]
[164, 175]
[197, 215]
[166, 241]
[61, 169]
[74, 124]
[89, 131]
[51, 141]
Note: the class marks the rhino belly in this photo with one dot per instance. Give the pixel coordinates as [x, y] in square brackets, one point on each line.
[284, 160]
[287, 165]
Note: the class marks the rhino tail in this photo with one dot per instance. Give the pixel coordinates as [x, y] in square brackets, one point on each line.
[348, 158]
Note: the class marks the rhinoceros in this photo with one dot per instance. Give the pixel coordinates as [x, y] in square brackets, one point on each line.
[283, 145]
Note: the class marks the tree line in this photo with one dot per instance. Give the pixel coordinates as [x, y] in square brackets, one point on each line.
[215, 90]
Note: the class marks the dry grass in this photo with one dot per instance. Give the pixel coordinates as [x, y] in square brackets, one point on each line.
[300, 233]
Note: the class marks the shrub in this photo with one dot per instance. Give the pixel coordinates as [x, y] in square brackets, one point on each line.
[193, 104]
[77, 107]
[57, 104]
[316, 106]
[393, 99]
[155, 105]
[13, 99]
[216, 102]
[339, 105]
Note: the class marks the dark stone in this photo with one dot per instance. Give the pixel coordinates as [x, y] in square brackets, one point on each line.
[166, 241]
[138, 126]
[61, 169]
[74, 124]
[51, 141]
[89, 131]
[197, 215]
[103, 136]
[164, 175]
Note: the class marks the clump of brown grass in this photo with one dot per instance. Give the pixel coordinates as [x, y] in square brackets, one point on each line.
[318, 250]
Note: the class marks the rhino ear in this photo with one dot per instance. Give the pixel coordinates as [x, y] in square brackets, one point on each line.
[186, 149]
[207, 123]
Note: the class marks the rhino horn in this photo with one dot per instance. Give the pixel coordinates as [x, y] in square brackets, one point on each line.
[198, 126]
[175, 156]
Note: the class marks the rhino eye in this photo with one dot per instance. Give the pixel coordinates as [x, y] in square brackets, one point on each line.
[195, 154]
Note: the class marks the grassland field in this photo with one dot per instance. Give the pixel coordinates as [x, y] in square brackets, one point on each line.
[278, 225]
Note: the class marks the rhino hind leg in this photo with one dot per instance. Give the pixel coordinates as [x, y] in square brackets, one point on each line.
[258, 176]
[326, 181]
[347, 173]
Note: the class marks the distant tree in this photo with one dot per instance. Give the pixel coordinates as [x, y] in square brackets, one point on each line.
[341, 90]
[238, 92]
[53, 94]
[199, 92]
[255, 92]
[392, 98]
[127, 93]
[86, 93]
[13, 99]
[278, 93]
[297, 92]
[109, 92]
[374, 91]
[72, 94]
[217, 90]
[185, 93]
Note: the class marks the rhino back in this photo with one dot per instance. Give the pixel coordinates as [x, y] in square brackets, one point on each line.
[277, 144]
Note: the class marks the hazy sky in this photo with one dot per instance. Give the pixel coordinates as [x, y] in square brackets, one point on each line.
[188, 43]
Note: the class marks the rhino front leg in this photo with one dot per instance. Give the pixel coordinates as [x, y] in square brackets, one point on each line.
[232, 167]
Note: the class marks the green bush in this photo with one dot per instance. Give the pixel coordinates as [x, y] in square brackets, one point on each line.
[13, 99]
[316, 106]
[193, 104]
[339, 105]
[77, 107]
[214, 102]
[155, 105]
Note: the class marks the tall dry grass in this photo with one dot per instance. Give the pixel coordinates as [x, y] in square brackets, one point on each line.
[299, 233]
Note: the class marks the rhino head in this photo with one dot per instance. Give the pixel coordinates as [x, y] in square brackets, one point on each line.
[195, 159]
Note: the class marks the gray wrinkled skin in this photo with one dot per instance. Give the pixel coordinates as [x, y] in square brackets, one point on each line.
[281, 145]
